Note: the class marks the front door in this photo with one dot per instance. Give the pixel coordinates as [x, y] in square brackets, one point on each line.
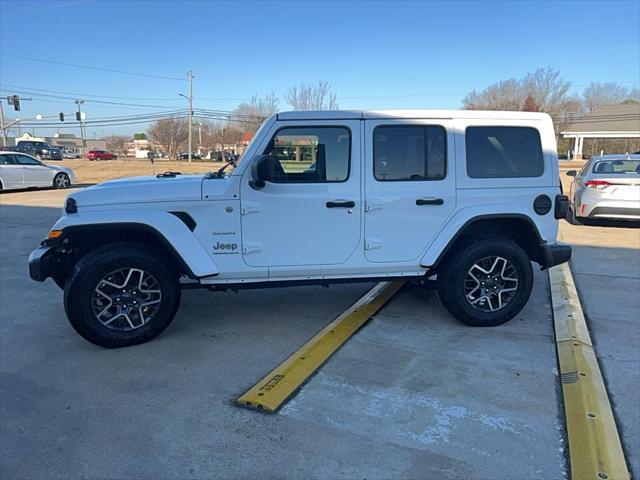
[410, 189]
[35, 173]
[310, 214]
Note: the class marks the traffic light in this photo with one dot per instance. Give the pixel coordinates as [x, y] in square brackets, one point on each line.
[15, 101]
[61, 117]
[78, 116]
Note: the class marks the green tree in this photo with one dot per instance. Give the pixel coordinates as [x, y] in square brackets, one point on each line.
[139, 136]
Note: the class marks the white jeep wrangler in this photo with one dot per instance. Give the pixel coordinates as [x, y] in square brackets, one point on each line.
[469, 198]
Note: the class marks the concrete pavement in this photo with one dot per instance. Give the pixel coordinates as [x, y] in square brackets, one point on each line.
[414, 394]
[606, 269]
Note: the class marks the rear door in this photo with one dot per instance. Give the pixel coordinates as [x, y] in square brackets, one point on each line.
[410, 189]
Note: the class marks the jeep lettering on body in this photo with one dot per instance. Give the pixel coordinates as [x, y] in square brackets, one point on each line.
[225, 246]
[470, 199]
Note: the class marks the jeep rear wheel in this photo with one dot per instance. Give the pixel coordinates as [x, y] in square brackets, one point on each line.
[486, 282]
[120, 295]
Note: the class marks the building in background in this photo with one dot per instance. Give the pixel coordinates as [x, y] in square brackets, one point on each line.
[610, 128]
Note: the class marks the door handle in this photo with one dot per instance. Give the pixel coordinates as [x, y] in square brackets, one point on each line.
[341, 204]
[429, 201]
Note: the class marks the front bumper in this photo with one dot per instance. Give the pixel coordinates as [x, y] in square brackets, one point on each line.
[555, 254]
[41, 262]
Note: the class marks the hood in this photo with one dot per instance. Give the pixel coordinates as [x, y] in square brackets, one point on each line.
[142, 190]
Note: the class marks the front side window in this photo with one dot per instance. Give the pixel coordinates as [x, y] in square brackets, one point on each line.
[412, 153]
[25, 160]
[311, 154]
[503, 152]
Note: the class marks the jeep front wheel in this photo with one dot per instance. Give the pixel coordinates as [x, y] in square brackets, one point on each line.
[120, 295]
[486, 283]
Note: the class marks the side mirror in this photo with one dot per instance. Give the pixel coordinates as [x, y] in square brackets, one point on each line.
[263, 169]
[571, 173]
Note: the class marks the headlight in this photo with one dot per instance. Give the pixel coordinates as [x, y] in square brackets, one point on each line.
[44, 150]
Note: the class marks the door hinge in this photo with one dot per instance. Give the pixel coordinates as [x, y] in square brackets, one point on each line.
[249, 207]
[373, 243]
[251, 247]
[373, 204]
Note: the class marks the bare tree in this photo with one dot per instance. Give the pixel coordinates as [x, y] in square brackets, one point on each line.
[598, 94]
[249, 115]
[170, 133]
[540, 91]
[504, 95]
[547, 89]
[116, 143]
[312, 97]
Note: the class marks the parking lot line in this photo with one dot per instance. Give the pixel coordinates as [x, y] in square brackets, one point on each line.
[282, 382]
[595, 450]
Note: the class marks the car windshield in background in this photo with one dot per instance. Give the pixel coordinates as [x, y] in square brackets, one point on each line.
[617, 166]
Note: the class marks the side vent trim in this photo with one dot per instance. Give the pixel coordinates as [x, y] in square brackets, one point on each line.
[186, 219]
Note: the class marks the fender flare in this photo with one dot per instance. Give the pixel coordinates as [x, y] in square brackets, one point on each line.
[172, 233]
[456, 227]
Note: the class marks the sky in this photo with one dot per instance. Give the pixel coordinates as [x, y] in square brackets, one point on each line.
[375, 54]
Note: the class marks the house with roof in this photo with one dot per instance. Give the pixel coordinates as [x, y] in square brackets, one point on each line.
[609, 121]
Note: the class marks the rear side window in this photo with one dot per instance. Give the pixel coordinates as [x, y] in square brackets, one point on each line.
[409, 153]
[503, 152]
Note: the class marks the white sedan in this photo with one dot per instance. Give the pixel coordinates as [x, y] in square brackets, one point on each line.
[19, 170]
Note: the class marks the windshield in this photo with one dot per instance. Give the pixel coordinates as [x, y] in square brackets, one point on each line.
[617, 166]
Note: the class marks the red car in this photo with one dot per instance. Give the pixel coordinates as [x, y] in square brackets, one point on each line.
[101, 155]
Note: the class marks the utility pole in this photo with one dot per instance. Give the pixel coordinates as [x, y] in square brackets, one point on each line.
[5, 141]
[190, 78]
[79, 118]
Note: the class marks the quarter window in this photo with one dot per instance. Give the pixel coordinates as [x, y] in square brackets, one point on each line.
[503, 152]
[406, 153]
[311, 154]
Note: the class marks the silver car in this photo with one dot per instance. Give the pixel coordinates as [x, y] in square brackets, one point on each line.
[607, 187]
[19, 170]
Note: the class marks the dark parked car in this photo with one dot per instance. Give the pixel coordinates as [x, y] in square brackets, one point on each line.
[40, 150]
[101, 155]
[185, 156]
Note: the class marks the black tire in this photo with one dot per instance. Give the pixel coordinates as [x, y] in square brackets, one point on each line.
[572, 219]
[452, 276]
[92, 269]
[61, 181]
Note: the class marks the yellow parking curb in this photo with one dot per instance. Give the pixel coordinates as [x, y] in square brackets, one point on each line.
[595, 450]
[282, 382]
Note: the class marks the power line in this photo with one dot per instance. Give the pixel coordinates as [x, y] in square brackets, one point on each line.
[90, 67]
[81, 95]
[105, 102]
